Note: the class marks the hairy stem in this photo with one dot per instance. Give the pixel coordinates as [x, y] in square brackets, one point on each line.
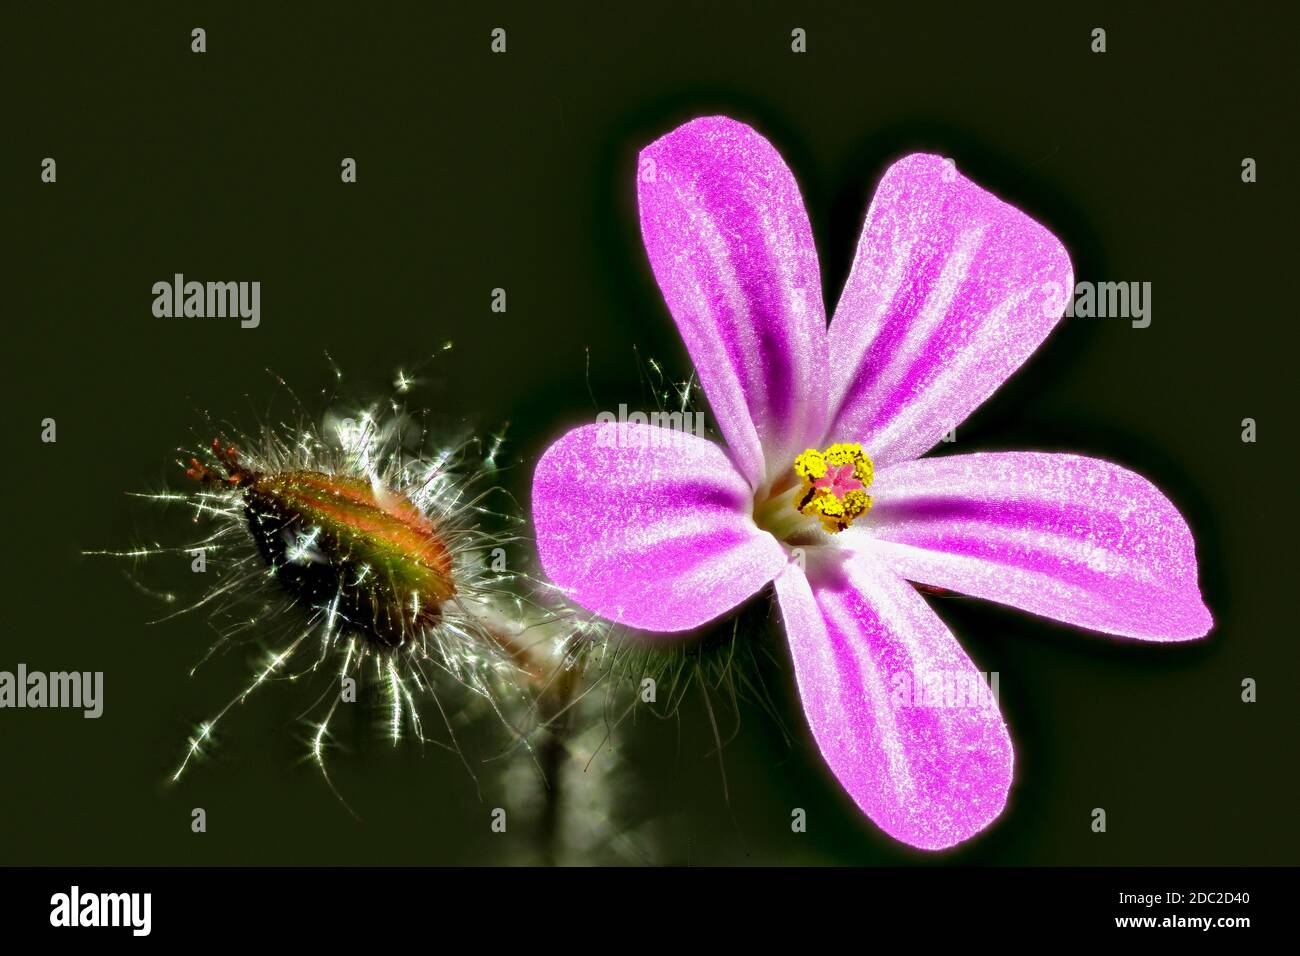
[557, 721]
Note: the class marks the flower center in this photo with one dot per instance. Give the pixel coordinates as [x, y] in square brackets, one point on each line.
[826, 487]
[832, 484]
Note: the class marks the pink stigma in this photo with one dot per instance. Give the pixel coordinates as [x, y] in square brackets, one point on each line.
[838, 480]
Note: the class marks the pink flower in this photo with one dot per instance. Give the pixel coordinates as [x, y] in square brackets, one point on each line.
[822, 489]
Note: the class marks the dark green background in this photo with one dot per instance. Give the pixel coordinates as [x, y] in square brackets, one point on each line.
[478, 171]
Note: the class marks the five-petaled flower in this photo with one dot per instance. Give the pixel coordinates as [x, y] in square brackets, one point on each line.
[822, 488]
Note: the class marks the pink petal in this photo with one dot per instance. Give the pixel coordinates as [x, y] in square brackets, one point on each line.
[1075, 539]
[930, 773]
[649, 526]
[950, 291]
[730, 244]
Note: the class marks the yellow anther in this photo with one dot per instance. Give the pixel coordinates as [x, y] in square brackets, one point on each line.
[810, 464]
[856, 503]
[843, 453]
[829, 506]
